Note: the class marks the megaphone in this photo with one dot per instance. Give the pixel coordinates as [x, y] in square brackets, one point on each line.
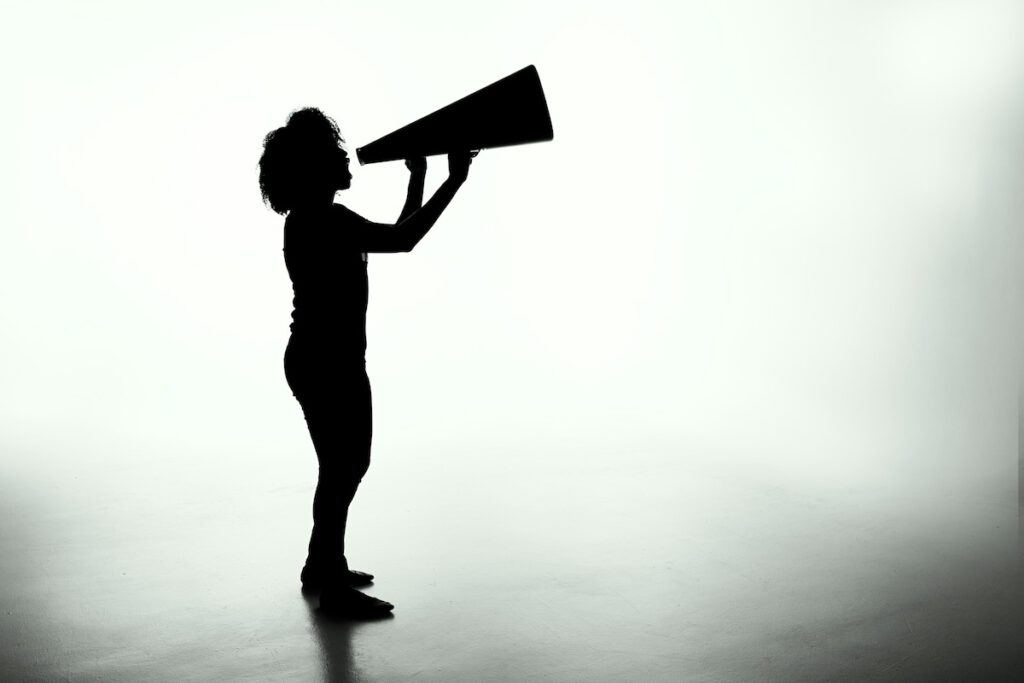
[508, 112]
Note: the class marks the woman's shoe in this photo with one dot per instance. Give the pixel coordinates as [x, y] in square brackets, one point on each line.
[345, 601]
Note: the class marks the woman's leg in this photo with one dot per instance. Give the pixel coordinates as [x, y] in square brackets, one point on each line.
[340, 421]
[338, 411]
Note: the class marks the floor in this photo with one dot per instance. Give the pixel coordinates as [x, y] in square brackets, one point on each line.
[665, 563]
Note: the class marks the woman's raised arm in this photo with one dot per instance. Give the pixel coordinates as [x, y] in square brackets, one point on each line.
[368, 236]
[417, 177]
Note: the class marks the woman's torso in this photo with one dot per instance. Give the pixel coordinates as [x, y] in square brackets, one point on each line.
[329, 284]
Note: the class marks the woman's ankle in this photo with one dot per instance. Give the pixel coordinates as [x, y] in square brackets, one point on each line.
[329, 563]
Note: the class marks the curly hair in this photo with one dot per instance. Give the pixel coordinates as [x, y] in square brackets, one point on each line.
[300, 158]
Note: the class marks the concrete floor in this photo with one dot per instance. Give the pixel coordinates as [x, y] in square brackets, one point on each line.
[660, 564]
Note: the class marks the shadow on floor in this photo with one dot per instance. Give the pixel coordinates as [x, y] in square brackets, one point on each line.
[335, 637]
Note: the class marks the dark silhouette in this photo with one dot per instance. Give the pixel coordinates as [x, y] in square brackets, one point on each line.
[325, 250]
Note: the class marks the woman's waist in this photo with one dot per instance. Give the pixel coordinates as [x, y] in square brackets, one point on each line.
[327, 340]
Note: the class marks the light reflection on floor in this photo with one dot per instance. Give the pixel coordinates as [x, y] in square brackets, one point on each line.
[653, 565]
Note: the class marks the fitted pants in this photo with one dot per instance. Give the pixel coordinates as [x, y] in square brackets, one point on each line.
[334, 394]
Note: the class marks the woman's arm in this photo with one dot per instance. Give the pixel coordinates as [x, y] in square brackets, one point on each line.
[417, 176]
[365, 235]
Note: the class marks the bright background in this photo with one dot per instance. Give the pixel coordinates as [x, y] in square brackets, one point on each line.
[781, 237]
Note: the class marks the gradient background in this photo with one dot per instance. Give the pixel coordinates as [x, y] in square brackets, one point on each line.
[776, 240]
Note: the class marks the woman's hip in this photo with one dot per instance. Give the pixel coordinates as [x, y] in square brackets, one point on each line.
[314, 373]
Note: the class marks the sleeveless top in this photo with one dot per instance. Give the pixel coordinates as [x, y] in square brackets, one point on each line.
[329, 281]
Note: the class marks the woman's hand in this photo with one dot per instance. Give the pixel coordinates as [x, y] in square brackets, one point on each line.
[458, 165]
[416, 164]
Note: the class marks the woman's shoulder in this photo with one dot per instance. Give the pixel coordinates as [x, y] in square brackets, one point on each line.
[320, 227]
[343, 213]
[305, 214]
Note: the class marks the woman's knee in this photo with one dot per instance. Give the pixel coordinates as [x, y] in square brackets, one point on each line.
[345, 468]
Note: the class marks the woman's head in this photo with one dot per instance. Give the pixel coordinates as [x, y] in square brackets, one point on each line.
[303, 162]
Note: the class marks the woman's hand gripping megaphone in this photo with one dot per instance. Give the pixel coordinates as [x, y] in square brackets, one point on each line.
[458, 164]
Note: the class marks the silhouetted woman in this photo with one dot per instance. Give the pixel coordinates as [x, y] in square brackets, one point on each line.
[325, 251]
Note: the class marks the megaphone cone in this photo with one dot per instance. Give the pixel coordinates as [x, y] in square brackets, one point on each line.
[508, 112]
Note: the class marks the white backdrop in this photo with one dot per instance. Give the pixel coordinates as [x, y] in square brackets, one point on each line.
[781, 235]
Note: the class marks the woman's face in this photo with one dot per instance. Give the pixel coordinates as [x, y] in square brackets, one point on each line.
[344, 175]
